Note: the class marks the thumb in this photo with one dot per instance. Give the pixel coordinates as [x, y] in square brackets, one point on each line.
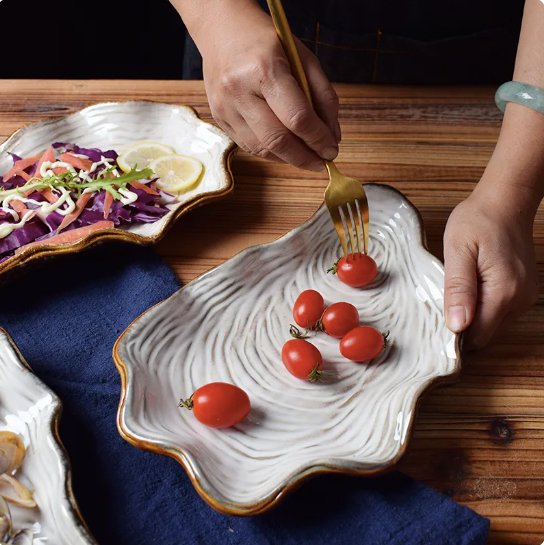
[460, 287]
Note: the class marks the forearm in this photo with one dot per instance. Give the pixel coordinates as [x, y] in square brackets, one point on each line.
[515, 174]
[204, 18]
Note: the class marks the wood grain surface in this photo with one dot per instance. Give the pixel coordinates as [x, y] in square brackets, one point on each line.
[481, 440]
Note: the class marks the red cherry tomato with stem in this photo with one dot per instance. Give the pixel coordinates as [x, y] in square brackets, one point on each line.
[302, 359]
[339, 318]
[308, 308]
[363, 343]
[218, 404]
[356, 270]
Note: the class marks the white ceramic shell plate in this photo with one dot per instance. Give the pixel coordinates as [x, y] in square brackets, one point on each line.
[30, 409]
[115, 125]
[230, 324]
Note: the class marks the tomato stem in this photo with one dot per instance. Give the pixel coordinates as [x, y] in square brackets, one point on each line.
[315, 374]
[187, 403]
[295, 332]
[386, 339]
[334, 268]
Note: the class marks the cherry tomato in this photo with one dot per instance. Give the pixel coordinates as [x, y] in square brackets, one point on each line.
[308, 308]
[356, 270]
[302, 359]
[218, 404]
[339, 318]
[362, 343]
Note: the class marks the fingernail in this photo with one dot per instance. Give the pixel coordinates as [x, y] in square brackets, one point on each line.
[456, 318]
[337, 132]
[329, 153]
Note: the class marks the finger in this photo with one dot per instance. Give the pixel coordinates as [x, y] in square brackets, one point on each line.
[237, 128]
[491, 313]
[274, 137]
[500, 302]
[324, 96]
[460, 287]
[291, 107]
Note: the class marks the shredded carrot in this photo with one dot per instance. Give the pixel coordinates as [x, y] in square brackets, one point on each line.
[81, 203]
[49, 156]
[49, 195]
[108, 201]
[22, 174]
[60, 170]
[21, 164]
[77, 162]
[144, 187]
[18, 206]
[73, 235]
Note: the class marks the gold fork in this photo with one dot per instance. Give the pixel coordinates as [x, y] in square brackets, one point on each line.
[345, 197]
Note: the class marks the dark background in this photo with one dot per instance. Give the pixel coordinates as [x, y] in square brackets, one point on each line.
[90, 39]
[358, 41]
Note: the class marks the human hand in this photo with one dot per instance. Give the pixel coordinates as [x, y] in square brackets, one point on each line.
[255, 98]
[490, 269]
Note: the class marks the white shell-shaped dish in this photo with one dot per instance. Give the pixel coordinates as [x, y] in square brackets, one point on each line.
[230, 324]
[30, 409]
[115, 125]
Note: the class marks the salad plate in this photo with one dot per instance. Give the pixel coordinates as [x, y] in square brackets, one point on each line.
[229, 325]
[31, 410]
[115, 126]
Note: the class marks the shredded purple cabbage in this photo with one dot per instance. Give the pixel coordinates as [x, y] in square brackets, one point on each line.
[30, 232]
[94, 154]
[147, 208]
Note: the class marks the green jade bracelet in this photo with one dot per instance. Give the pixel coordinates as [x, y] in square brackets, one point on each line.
[520, 93]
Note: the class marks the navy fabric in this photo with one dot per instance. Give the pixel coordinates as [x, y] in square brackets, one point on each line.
[65, 315]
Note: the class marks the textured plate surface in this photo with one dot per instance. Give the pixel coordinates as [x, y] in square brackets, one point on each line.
[114, 125]
[230, 324]
[30, 409]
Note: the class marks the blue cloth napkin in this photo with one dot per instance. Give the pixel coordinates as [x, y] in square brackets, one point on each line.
[65, 315]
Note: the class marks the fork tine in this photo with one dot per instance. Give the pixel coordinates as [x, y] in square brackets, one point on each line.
[339, 226]
[346, 222]
[360, 226]
[362, 207]
[352, 230]
[357, 224]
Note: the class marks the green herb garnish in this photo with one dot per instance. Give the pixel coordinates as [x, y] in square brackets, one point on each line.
[72, 182]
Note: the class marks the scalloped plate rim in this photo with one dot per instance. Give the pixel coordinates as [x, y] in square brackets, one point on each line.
[304, 472]
[60, 450]
[33, 253]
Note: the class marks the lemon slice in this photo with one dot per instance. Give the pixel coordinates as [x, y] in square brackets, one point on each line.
[140, 154]
[177, 173]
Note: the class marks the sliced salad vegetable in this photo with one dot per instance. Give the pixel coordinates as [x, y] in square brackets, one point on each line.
[177, 173]
[12, 491]
[70, 188]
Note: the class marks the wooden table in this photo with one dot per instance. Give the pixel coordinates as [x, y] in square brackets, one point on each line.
[480, 441]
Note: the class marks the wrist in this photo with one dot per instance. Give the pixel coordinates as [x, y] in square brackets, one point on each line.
[514, 176]
[208, 20]
[498, 192]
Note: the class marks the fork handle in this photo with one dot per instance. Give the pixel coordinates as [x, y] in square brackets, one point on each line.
[288, 42]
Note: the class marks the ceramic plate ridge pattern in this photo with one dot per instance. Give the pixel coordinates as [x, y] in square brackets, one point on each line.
[230, 325]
